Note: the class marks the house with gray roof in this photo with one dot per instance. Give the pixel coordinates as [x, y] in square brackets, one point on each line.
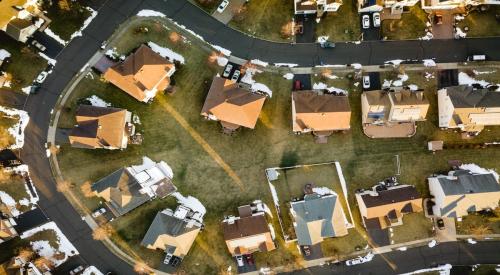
[468, 109]
[463, 191]
[128, 188]
[317, 217]
[173, 232]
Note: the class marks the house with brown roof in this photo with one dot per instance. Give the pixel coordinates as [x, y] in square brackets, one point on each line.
[247, 233]
[392, 113]
[316, 6]
[130, 187]
[101, 127]
[232, 104]
[463, 107]
[383, 206]
[142, 74]
[7, 230]
[320, 113]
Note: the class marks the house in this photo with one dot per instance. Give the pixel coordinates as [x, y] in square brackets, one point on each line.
[469, 110]
[462, 191]
[316, 6]
[317, 217]
[101, 127]
[20, 29]
[7, 230]
[173, 232]
[383, 207]
[247, 233]
[142, 74]
[392, 113]
[391, 7]
[21, 266]
[320, 112]
[128, 188]
[21, 18]
[232, 104]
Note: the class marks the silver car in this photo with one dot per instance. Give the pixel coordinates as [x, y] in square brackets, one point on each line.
[227, 70]
[236, 76]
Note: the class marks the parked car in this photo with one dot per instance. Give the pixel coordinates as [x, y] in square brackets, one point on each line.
[35, 88]
[440, 224]
[227, 70]
[360, 259]
[376, 19]
[38, 45]
[223, 6]
[239, 260]
[299, 27]
[297, 85]
[438, 18]
[366, 21]
[41, 77]
[307, 250]
[175, 261]
[99, 212]
[236, 75]
[327, 44]
[366, 81]
[76, 270]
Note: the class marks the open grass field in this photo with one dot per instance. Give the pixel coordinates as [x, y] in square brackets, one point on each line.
[482, 23]
[410, 26]
[175, 132]
[343, 25]
[67, 16]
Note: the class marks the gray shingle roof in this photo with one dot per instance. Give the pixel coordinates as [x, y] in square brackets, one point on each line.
[166, 224]
[466, 182]
[464, 97]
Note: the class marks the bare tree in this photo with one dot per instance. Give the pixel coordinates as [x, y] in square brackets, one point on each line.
[102, 232]
[87, 189]
[287, 30]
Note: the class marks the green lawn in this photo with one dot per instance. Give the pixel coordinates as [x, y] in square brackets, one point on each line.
[24, 65]
[343, 25]
[170, 123]
[415, 226]
[264, 19]
[482, 23]
[410, 26]
[6, 122]
[67, 16]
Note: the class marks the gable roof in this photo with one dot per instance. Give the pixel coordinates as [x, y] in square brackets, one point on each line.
[99, 127]
[245, 227]
[391, 196]
[320, 112]
[228, 102]
[465, 182]
[142, 71]
[465, 96]
[15, 26]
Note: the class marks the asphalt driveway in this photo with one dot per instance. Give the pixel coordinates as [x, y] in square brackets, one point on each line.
[371, 33]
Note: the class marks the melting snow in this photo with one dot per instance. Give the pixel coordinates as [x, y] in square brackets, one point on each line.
[150, 13]
[26, 90]
[471, 241]
[403, 248]
[429, 63]
[357, 66]
[166, 52]
[432, 243]
[255, 87]
[323, 86]
[10, 203]
[87, 21]
[224, 51]
[56, 37]
[271, 228]
[4, 54]
[262, 207]
[459, 33]
[274, 194]
[465, 79]
[288, 76]
[394, 62]
[323, 38]
[17, 130]
[259, 62]
[442, 270]
[413, 87]
[474, 168]
[427, 36]
[323, 191]
[192, 203]
[91, 270]
[290, 65]
[97, 101]
[222, 61]
[49, 60]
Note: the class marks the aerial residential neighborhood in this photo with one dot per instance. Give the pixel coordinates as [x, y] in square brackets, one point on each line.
[249, 137]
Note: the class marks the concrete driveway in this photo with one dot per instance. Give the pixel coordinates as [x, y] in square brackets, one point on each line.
[449, 233]
[229, 11]
[444, 30]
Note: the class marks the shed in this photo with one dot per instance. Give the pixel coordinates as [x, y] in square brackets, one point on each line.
[435, 145]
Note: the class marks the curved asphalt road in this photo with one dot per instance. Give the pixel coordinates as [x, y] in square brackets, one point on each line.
[114, 12]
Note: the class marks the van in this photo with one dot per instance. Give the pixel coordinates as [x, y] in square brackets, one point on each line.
[477, 57]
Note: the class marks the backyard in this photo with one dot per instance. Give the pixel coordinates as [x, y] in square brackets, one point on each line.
[411, 25]
[482, 23]
[343, 25]
[224, 172]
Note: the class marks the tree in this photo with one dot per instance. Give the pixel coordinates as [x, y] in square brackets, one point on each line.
[63, 186]
[287, 30]
[239, 14]
[102, 232]
[87, 189]
[142, 268]
[43, 263]
[174, 37]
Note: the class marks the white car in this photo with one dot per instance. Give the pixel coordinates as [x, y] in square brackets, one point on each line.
[239, 260]
[223, 6]
[76, 270]
[366, 81]
[366, 21]
[41, 77]
[360, 260]
[38, 45]
[99, 212]
[236, 76]
[376, 19]
[227, 70]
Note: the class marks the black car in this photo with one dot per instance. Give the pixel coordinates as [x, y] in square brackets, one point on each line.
[327, 45]
[35, 88]
[440, 224]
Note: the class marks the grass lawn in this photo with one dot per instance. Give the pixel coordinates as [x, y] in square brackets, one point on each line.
[415, 226]
[482, 23]
[24, 65]
[480, 223]
[410, 26]
[338, 247]
[171, 121]
[6, 122]
[258, 20]
[15, 186]
[343, 25]
[67, 16]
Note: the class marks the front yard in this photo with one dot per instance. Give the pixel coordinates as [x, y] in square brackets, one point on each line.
[411, 25]
[480, 223]
[224, 172]
[343, 25]
[482, 23]
[6, 122]
[67, 16]
[415, 227]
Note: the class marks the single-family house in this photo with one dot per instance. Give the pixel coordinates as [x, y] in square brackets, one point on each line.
[383, 206]
[7, 230]
[128, 188]
[247, 233]
[392, 7]
[172, 232]
[21, 18]
[232, 104]
[319, 112]
[392, 113]
[316, 6]
[21, 266]
[463, 191]
[142, 74]
[467, 109]
[101, 127]
[317, 217]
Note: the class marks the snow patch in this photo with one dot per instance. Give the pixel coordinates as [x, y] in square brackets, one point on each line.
[262, 207]
[323, 38]
[413, 87]
[222, 61]
[49, 60]
[97, 101]
[255, 86]
[274, 194]
[87, 21]
[92, 270]
[429, 63]
[150, 13]
[222, 50]
[17, 130]
[459, 33]
[259, 62]
[474, 168]
[56, 37]
[273, 234]
[10, 203]
[357, 66]
[471, 241]
[192, 203]
[166, 52]
[432, 243]
[4, 54]
[288, 76]
[403, 248]
[395, 62]
[427, 36]
[442, 270]
[290, 65]
[323, 191]
[26, 90]
[323, 86]
[465, 79]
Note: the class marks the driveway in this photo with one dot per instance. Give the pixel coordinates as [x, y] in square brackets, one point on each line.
[447, 78]
[449, 233]
[309, 30]
[248, 266]
[315, 252]
[444, 30]
[229, 11]
[372, 33]
[374, 82]
[305, 81]
[380, 237]
[53, 48]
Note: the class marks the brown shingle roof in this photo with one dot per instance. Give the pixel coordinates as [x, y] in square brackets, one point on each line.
[245, 227]
[227, 101]
[141, 71]
[98, 127]
[390, 196]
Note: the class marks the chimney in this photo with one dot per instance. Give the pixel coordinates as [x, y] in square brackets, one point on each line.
[398, 96]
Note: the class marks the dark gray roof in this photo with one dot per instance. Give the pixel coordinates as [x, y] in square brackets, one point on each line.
[464, 96]
[466, 182]
[313, 208]
[113, 180]
[167, 224]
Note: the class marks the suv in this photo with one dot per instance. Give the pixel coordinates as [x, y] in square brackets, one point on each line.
[38, 45]
[223, 6]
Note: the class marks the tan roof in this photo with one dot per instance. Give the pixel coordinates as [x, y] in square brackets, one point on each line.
[7, 10]
[5, 230]
[98, 127]
[228, 102]
[141, 71]
[320, 112]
